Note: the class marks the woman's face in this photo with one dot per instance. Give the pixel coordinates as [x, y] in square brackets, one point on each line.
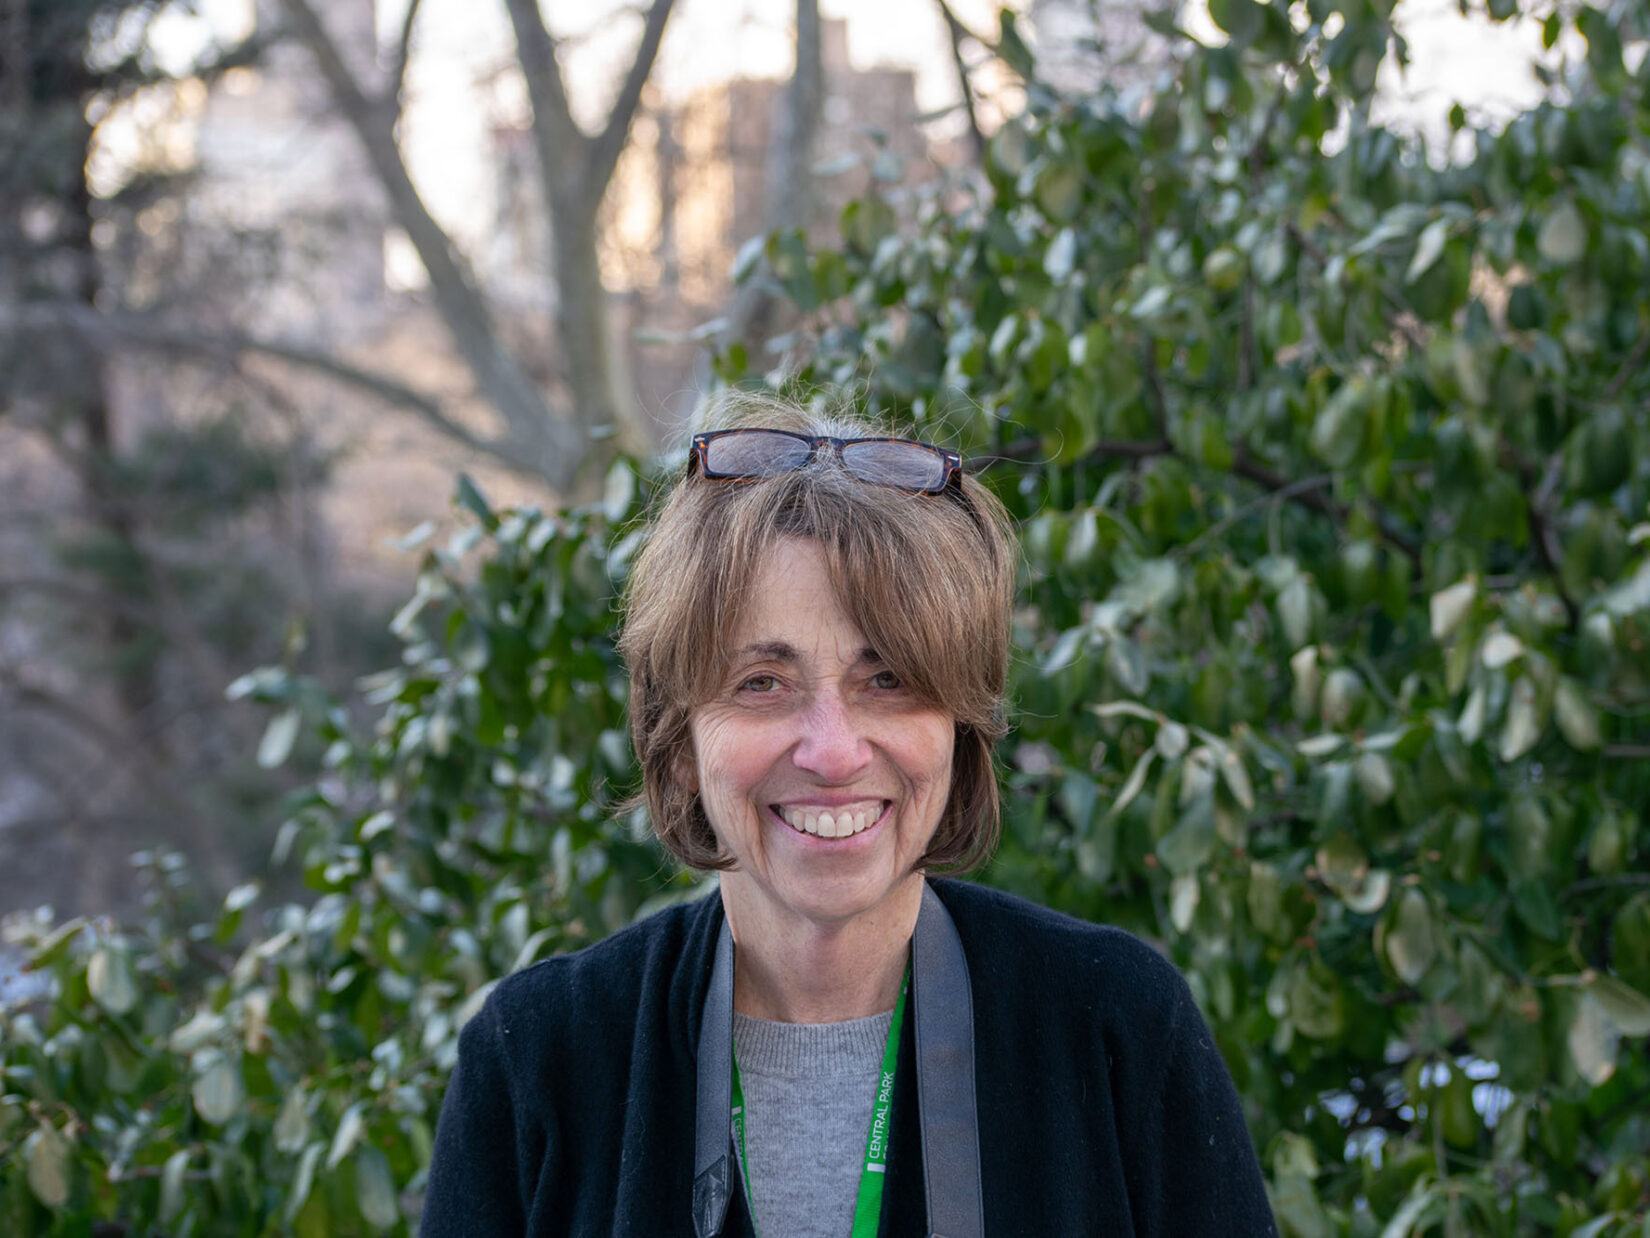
[822, 775]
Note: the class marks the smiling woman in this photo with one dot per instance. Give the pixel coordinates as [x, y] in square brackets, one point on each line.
[817, 637]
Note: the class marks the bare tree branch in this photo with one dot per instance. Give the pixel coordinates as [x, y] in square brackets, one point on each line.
[403, 54]
[965, 82]
[137, 74]
[109, 331]
[560, 142]
[610, 142]
[574, 172]
[552, 445]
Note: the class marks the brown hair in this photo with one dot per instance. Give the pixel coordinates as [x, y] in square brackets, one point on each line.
[928, 579]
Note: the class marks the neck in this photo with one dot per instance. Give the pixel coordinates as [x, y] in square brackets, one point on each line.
[796, 970]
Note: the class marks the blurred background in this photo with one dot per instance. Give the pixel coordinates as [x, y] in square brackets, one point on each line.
[343, 344]
[273, 273]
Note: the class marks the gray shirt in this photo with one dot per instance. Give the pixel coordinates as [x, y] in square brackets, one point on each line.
[809, 1092]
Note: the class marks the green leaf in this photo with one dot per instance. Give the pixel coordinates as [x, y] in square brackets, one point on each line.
[1577, 717]
[350, 1129]
[1523, 725]
[1061, 258]
[1450, 607]
[1185, 849]
[1184, 896]
[1135, 783]
[1563, 237]
[46, 1156]
[304, 1180]
[1338, 432]
[173, 1188]
[292, 1122]
[109, 978]
[469, 497]
[1404, 1221]
[218, 1090]
[1412, 939]
[375, 1188]
[748, 257]
[1428, 249]
[1626, 1007]
[279, 736]
[1593, 1039]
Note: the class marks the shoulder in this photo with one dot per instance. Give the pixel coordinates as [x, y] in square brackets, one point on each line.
[1018, 945]
[618, 978]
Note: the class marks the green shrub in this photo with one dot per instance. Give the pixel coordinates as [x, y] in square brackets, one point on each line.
[1331, 464]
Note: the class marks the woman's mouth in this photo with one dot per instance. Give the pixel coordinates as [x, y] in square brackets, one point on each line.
[843, 822]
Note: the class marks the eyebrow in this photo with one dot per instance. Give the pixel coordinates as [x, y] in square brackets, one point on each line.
[783, 651]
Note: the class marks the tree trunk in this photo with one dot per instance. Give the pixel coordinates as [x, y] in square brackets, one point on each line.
[575, 170]
[137, 676]
[791, 152]
[789, 174]
[582, 323]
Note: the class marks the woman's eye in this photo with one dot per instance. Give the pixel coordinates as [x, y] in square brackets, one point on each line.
[760, 683]
[886, 680]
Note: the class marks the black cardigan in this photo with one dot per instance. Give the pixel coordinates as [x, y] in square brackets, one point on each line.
[1104, 1106]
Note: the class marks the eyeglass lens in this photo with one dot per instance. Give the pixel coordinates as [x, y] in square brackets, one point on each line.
[909, 466]
[757, 453]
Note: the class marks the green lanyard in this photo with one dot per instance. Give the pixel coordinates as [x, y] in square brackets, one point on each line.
[868, 1209]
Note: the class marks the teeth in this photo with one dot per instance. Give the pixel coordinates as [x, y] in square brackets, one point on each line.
[841, 824]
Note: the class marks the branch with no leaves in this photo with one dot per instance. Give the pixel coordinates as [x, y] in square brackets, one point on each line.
[583, 164]
[403, 54]
[965, 82]
[113, 331]
[548, 443]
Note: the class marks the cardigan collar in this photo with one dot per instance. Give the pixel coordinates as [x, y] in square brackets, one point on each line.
[942, 1002]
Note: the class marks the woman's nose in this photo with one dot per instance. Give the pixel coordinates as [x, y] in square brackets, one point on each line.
[832, 744]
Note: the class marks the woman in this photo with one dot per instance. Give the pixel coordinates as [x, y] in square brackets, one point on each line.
[817, 637]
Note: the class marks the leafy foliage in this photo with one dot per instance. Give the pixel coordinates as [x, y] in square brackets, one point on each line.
[1331, 463]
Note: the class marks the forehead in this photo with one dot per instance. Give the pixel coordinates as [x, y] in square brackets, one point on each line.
[792, 602]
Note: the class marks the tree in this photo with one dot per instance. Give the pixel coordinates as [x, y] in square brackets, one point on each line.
[575, 169]
[1331, 467]
[117, 641]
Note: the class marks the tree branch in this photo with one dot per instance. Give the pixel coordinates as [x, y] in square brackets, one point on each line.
[604, 151]
[403, 54]
[561, 145]
[551, 446]
[135, 76]
[958, 33]
[1305, 492]
[788, 177]
[110, 331]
